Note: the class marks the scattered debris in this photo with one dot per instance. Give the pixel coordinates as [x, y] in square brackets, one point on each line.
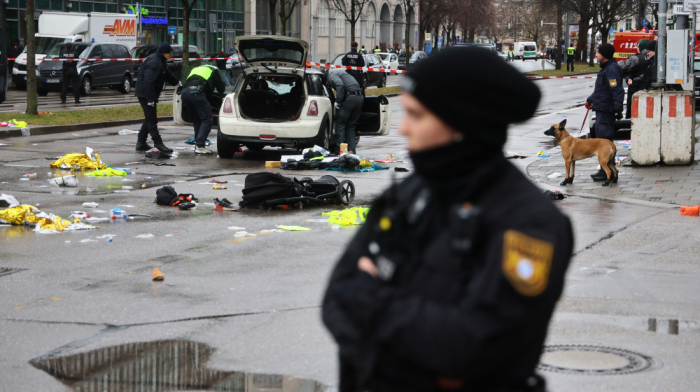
[90, 205]
[239, 234]
[86, 160]
[149, 235]
[70, 181]
[236, 228]
[293, 228]
[108, 172]
[8, 201]
[348, 217]
[554, 175]
[217, 186]
[125, 132]
[690, 210]
[400, 169]
[541, 154]
[157, 275]
[33, 175]
[554, 195]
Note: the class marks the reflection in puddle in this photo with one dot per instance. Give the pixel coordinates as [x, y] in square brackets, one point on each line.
[167, 365]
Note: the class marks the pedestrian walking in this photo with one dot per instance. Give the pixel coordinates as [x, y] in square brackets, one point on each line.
[634, 67]
[348, 107]
[153, 73]
[451, 282]
[70, 74]
[198, 88]
[570, 57]
[355, 59]
[607, 98]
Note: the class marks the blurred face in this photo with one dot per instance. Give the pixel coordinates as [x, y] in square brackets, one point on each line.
[422, 128]
[600, 58]
[168, 55]
[650, 53]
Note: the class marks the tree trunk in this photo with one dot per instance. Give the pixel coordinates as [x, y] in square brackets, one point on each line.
[582, 37]
[273, 17]
[408, 35]
[560, 27]
[31, 61]
[186, 11]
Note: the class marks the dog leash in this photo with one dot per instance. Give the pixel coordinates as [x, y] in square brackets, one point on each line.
[584, 122]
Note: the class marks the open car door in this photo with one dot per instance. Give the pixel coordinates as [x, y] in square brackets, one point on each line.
[375, 119]
[4, 70]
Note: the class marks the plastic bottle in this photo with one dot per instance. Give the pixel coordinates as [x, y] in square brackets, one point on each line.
[117, 213]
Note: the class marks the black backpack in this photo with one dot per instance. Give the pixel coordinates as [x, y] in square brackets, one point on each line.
[165, 196]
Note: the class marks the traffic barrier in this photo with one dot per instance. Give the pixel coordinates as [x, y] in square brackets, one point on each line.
[384, 70]
[677, 130]
[646, 128]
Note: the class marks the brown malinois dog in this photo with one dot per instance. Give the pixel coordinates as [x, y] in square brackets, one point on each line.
[574, 149]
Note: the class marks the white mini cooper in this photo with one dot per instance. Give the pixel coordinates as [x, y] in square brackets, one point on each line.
[277, 101]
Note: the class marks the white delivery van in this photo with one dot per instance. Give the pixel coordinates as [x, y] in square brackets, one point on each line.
[525, 50]
[57, 27]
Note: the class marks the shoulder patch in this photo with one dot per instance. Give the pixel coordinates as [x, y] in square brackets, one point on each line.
[613, 83]
[526, 262]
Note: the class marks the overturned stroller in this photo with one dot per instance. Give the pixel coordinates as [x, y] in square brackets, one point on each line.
[267, 190]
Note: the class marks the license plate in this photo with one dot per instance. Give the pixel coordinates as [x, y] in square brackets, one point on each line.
[53, 80]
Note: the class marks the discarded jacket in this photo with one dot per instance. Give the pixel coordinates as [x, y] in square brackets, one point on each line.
[167, 196]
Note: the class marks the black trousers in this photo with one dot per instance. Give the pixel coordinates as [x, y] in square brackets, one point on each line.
[604, 125]
[199, 107]
[71, 77]
[570, 61]
[150, 123]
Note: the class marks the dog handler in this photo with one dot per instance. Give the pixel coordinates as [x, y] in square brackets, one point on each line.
[451, 282]
[607, 98]
[199, 86]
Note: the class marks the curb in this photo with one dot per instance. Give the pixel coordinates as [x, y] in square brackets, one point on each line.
[50, 130]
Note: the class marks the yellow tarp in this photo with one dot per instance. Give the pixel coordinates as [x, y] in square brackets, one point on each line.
[106, 173]
[348, 217]
[82, 161]
[25, 213]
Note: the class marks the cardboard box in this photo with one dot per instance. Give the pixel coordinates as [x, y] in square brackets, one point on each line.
[343, 147]
[273, 163]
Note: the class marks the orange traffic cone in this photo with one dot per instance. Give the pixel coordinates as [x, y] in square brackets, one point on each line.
[157, 275]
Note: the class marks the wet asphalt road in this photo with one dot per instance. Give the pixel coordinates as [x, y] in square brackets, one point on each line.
[255, 301]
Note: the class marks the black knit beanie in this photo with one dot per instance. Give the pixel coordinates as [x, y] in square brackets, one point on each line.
[607, 51]
[474, 91]
[651, 46]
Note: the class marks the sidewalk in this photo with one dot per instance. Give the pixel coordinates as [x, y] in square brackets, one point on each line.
[674, 185]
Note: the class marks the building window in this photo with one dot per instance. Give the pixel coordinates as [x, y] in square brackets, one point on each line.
[371, 17]
[323, 18]
[628, 24]
[614, 26]
[339, 24]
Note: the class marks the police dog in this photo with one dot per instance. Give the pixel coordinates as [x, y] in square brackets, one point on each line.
[574, 149]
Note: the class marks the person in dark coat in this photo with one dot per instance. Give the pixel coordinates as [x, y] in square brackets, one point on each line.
[153, 73]
[355, 59]
[70, 74]
[644, 81]
[607, 98]
[13, 51]
[451, 282]
[198, 88]
[634, 67]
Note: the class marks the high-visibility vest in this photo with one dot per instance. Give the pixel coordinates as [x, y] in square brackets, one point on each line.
[510, 52]
[377, 50]
[570, 51]
[204, 71]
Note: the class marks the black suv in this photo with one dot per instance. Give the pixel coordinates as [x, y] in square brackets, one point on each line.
[371, 61]
[113, 74]
[174, 66]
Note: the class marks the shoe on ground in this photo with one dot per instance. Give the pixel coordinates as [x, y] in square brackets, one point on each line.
[186, 206]
[202, 150]
[142, 146]
[162, 148]
[78, 102]
[225, 205]
[63, 101]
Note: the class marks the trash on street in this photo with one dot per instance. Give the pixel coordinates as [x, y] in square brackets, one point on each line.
[108, 172]
[8, 201]
[348, 217]
[86, 160]
[70, 181]
[554, 175]
[690, 210]
[43, 222]
[554, 195]
[90, 205]
[125, 132]
[157, 275]
[293, 228]
[33, 175]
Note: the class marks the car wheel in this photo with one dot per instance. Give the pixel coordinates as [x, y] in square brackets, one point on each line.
[383, 82]
[324, 136]
[225, 148]
[125, 87]
[42, 92]
[87, 86]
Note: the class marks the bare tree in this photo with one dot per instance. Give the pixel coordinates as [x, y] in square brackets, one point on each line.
[273, 17]
[186, 11]
[475, 16]
[286, 11]
[352, 14]
[430, 15]
[32, 103]
[611, 11]
[584, 9]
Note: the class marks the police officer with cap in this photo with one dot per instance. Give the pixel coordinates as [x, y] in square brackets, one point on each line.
[70, 74]
[451, 282]
[153, 73]
[348, 107]
[607, 98]
[198, 88]
[355, 59]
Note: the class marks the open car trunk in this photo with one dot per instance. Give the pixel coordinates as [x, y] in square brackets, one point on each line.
[272, 97]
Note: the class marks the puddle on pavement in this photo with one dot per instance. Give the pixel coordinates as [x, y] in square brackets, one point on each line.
[166, 365]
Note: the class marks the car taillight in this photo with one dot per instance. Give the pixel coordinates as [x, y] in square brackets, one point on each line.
[313, 109]
[227, 106]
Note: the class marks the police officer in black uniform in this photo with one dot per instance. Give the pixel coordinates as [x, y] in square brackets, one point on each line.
[70, 74]
[355, 59]
[198, 89]
[153, 73]
[607, 98]
[451, 282]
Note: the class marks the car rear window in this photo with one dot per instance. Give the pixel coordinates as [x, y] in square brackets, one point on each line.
[530, 48]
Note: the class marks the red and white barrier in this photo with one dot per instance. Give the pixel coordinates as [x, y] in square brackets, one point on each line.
[384, 70]
[562, 77]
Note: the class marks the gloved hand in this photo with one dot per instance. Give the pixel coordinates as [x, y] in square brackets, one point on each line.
[618, 116]
[152, 104]
[588, 105]
[337, 106]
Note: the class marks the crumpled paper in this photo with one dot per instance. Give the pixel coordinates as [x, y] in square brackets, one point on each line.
[348, 217]
[45, 223]
[86, 160]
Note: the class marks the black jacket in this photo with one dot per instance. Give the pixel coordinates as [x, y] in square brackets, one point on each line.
[649, 76]
[355, 59]
[465, 295]
[153, 72]
[207, 85]
[70, 66]
[14, 50]
[608, 94]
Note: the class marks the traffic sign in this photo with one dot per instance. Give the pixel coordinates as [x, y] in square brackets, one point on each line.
[679, 10]
[645, 22]
[691, 5]
[172, 30]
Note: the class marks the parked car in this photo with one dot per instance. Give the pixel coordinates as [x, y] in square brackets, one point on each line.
[371, 61]
[286, 106]
[114, 74]
[174, 66]
[415, 57]
[390, 60]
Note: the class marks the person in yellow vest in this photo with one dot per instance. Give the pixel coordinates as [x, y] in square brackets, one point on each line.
[511, 54]
[376, 49]
[200, 84]
[570, 54]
